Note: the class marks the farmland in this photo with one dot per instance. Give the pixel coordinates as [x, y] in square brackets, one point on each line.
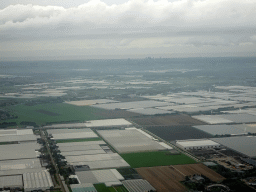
[54, 112]
[158, 158]
[167, 178]
[166, 120]
[170, 133]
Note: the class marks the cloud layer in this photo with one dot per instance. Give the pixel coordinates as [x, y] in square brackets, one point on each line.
[191, 22]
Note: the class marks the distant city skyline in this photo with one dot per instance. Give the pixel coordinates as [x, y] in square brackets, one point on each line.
[83, 29]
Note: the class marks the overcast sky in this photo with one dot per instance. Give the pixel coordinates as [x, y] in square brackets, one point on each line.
[80, 29]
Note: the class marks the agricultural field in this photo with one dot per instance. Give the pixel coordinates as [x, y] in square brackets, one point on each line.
[168, 178]
[192, 169]
[102, 188]
[171, 133]
[158, 158]
[54, 112]
[166, 120]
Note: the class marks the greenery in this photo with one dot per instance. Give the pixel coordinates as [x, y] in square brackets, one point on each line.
[52, 113]
[101, 187]
[158, 158]
[78, 140]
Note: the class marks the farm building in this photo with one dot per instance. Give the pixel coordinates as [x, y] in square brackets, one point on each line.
[197, 144]
[130, 140]
[138, 185]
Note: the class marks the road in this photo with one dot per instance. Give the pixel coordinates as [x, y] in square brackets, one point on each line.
[53, 162]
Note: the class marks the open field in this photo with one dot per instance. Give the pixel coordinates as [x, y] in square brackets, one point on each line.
[163, 179]
[167, 178]
[158, 158]
[47, 112]
[78, 140]
[188, 170]
[167, 120]
[170, 133]
[43, 113]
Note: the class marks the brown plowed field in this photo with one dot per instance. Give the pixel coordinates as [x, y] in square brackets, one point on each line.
[199, 169]
[167, 120]
[163, 178]
[167, 178]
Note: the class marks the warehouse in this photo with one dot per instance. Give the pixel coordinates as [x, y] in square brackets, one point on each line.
[37, 181]
[109, 177]
[138, 185]
[130, 140]
[197, 144]
[240, 144]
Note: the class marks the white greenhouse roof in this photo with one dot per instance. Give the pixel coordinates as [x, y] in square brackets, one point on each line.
[196, 143]
[37, 180]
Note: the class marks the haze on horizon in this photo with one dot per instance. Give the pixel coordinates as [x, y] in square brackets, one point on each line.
[83, 29]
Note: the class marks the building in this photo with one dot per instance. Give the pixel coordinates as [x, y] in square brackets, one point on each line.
[197, 144]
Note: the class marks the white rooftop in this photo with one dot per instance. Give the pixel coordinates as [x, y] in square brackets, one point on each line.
[194, 143]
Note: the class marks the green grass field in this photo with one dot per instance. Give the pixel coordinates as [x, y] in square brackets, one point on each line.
[102, 188]
[57, 112]
[78, 140]
[158, 158]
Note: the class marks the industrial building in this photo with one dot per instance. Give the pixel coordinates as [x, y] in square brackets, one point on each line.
[197, 144]
[130, 140]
